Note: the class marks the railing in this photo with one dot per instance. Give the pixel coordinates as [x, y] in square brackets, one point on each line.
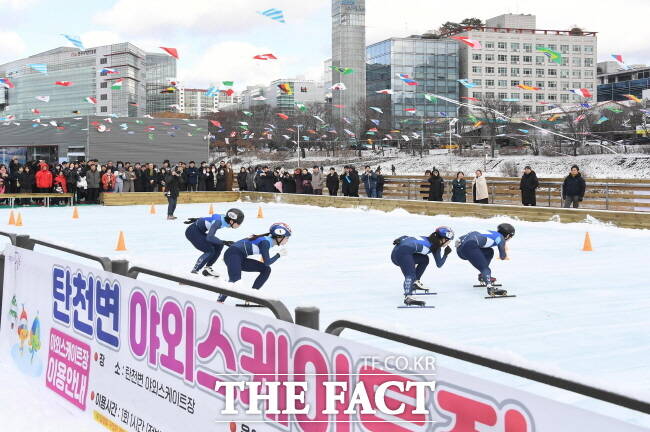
[337, 327]
[601, 194]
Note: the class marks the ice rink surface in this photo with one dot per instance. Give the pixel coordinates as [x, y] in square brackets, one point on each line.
[578, 314]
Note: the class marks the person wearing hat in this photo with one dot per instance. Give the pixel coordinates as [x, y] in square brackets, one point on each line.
[528, 186]
[573, 188]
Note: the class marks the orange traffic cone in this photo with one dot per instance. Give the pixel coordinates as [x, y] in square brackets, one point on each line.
[152, 209]
[19, 220]
[586, 247]
[211, 211]
[12, 220]
[121, 245]
[260, 213]
[75, 213]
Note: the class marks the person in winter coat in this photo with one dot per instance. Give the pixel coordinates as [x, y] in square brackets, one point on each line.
[149, 179]
[480, 189]
[221, 177]
[210, 173]
[317, 180]
[369, 179]
[459, 188]
[307, 187]
[380, 183]
[241, 179]
[230, 177]
[332, 182]
[297, 178]
[250, 179]
[352, 176]
[93, 180]
[139, 184]
[72, 177]
[192, 177]
[528, 185]
[573, 189]
[436, 186]
[203, 173]
[43, 179]
[61, 181]
[108, 181]
[118, 178]
[288, 183]
[345, 182]
[129, 180]
[173, 184]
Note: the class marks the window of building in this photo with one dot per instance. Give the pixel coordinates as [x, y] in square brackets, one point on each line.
[477, 95]
[589, 49]
[539, 46]
[489, 83]
[476, 69]
[103, 109]
[589, 86]
[540, 109]
[528, 59]
[564, 98]
[489, 70]
[540, 84]
[565, 61]
[514, 83]
[502, 58]
[515, 96]
[576, 74]
[552, 47]
[539, 96]
[103, 60]
[564, 86]
[478, 82]
[576, 62]
[528, 83]
[577, 49]
[564, 49]
[103, 97]
[528, 47]
[539, 73]
[503, 71]
[489, 95]
[590, 74]
[502, 83]
[489, 57]
[552, 97]
[514, 46]
[589, 62]
[514, 59]
[540, 60]
[552, 84]
[528, 109]
[489, 45]
[528, 96]
[502, 45]
[103, 85]
[576, 85]
[503, 95]
[564, 73]
[514, 71]
[552, 72]
[476, 57]
[528, 72]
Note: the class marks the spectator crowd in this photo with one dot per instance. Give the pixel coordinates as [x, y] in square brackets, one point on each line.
[86, 180]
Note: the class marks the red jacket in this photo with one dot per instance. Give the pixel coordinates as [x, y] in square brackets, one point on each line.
[61, 180]
[43, 178]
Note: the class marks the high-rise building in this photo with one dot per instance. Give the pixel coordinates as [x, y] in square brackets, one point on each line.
[349, 52]
[513, 53]
[196, 102]
[615, 82]
[432, 63]
[111, 76]
[160, 72]
[248, 96]
[301, 91]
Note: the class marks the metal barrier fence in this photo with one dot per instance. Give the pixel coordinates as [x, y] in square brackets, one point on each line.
[309, 317]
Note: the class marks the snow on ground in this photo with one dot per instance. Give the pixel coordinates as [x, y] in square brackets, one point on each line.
[577, 314]
[594, 166]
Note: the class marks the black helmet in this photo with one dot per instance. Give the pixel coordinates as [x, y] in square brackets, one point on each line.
[235, 216]
[506, 230]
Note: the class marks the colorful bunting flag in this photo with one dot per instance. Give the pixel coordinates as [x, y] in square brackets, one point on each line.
[601, 120]
[282, 116]
[36, 111]
[469, 42]
[38, 67]
[377, 109]
[301, 107]
[430, 97]
[619, 60]
[527, 87]
[63, 83]
[75, 40]
[466, 83]
[91, 100]
[339, 86]
[554, 56]
[228, 83]
[343, 70]
[633, 98]
[385, 91]
[259, 98]
[614, 109]
[6, 82]
[265, 57]
[171, 51]
[275, 14]
[286, 88]
[117, 84]
[109, 71]
[582, 92]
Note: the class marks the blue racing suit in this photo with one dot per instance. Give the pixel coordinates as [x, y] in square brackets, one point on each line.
[410, 255]
[202, 233]
[476, 247]
[236, 259]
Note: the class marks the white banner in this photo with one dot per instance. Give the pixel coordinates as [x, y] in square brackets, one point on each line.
[137, 357]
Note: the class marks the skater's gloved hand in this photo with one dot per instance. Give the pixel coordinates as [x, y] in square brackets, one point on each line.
[447, 250]
[190, 221]
[283, 252]
[228, 242]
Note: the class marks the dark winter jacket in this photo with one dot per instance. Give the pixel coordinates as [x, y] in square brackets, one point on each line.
[380, 183]
[574, 186]
[173, 184]
[93, 179]
[459, 190]
[221, 179]
[437, 188]
[72, 176]
[332, 182]
[288, 184]
[26, 180]
[241, 180]
[369, 180]
[529, 182]
[192, 175]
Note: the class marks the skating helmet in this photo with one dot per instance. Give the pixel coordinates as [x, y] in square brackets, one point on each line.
[506, 230]
[444, 233]
[280, 229]
[235, 215]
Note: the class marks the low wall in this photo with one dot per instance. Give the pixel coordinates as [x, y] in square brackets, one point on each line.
[533, 214]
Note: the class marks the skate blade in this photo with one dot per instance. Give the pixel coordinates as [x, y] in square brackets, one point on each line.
[500, 296]
[424, 294]
[244, 305]
[415, 307]
[485, 286]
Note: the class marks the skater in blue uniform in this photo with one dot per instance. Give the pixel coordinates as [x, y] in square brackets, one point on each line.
[410, 255]
[202, 233]
[476, 247]
[237, 261]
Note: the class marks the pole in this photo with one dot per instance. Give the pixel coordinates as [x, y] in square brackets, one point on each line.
[87, 137]
[423, 126]
[298, 126]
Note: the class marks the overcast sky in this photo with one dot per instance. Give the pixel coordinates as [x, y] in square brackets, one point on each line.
[217, 39]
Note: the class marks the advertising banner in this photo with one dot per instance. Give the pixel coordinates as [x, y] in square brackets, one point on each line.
[132, 356]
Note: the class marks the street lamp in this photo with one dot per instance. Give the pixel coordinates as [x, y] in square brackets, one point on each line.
[298, 141]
